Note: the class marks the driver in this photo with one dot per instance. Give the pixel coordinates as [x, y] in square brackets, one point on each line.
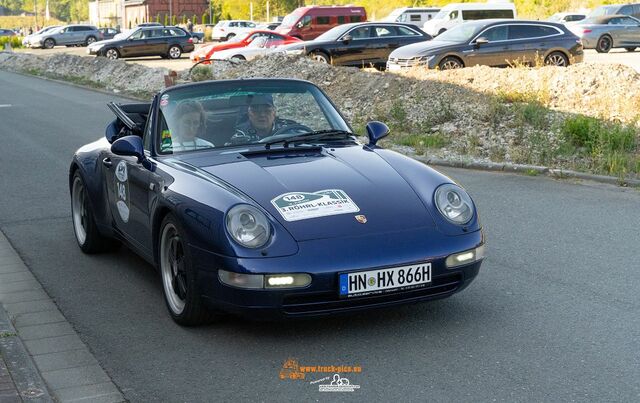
[261, 121]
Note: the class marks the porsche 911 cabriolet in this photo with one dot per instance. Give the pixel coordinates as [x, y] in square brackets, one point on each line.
[256, 197]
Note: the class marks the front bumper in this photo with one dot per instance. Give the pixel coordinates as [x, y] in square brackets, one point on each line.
[398, 64]
[324, 260]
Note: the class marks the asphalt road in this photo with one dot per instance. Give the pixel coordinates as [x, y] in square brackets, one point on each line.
[553, 315]
[616, 56]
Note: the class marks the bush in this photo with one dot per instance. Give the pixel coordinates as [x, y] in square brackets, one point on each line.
[15, 41]
[594, 135]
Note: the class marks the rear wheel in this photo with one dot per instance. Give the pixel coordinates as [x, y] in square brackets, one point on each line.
[112, 54]
[238, 58]
[230, 36]
[49, 43]
[174, 52]
[179, 277]
[90, 40]
[630, 49]
[556, 59]
[604, 44]
[450, 63]
[84, 224]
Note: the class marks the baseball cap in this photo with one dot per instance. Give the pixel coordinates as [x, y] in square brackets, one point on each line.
[261, 99]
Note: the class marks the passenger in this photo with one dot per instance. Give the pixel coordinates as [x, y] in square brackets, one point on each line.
[190, 119]
[262, 121]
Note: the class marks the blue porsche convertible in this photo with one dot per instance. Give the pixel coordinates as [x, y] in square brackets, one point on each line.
[255, 197]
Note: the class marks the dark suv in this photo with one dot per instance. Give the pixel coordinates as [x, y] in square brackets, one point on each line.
[492, 43]
[167, 42]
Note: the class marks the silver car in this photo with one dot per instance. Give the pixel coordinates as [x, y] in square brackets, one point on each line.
[68, 35]
[607, 32]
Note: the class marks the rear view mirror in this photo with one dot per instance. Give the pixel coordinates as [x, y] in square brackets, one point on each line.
[482, 41]
[347, 38]
[299, 25]
[376, 130]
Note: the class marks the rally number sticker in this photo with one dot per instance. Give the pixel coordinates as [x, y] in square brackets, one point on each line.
[122, 191]
[296, 206]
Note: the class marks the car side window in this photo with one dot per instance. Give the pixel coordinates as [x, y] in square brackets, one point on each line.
[384, 31]
[453, 15]
[626, 10]
[360, 33]
[615, 21]
[404, 31]
[496, 33]
[530, 31]
[137, 35]
[306, 21]
[627, 21]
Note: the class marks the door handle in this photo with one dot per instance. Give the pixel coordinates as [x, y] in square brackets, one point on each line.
[107, 162]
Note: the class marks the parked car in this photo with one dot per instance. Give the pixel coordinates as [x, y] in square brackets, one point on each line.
[226, 29]
[608, 32]
[149, 24]
[198, 37]
[26, 41]
[270, 26]
[417, 16]
[206, 52]
[258, 47]
[108, 33]
[617, 9]
[564, 18]
[166, 42]
[7, 32]
[68, 35]
[456, 13]
[360, 44]
[308, 23]
[302, 221]
[492, 43]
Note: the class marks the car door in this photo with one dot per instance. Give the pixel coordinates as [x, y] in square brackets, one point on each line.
[352, 47]
[64, 36]
[135, 45]
[127, 184]
[158, 41]
[496, 52]
[530, 42]
[631, 32]
[617, 30]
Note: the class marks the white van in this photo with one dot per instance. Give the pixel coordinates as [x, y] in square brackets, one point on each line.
[457, 13]
[412, 15]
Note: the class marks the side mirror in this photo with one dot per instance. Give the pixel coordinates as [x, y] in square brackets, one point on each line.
[299, 25]
[131, 146]
[481, 41]
[347, 38]
[376, 130]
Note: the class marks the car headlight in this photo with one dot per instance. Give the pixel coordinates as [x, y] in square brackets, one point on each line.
[454, 204]
[248, 226]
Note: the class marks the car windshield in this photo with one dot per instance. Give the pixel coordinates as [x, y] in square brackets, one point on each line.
[290, 19]
[604, 10]
[226, 114]
[555, 17]
[461, 33]
[442, 14]
[334, 33]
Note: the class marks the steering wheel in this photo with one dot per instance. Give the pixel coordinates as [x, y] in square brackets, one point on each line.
[280, 133]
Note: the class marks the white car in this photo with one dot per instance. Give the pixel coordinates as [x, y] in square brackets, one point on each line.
[456, 13]
[258, 47]
[227, 29]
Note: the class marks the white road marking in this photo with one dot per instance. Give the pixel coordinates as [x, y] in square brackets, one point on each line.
[5, 105]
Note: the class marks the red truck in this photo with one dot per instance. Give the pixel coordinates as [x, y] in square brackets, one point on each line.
[307, 23]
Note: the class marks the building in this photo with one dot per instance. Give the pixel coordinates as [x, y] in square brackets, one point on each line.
[137, 11]
[106, 13]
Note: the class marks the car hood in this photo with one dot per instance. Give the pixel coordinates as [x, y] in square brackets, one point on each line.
[425, 48]
[105, 42]
[374, 188]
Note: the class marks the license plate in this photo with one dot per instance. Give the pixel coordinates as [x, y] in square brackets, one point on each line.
[384, 280]
[393, 67]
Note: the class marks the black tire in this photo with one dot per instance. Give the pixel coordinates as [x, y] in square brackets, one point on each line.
[630, 49]
[111, 53]
[179, 277]
[450, 63]
[442, 31]
[90, 40]
[556, 59]
[49, 43]
[85, 229]
[228, 37]
[320, 57]
[174, 52]
[238, 58]
[604, 45]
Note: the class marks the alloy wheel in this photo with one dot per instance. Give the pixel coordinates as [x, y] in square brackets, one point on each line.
[173, 268]
[556, 60]
[79, 213]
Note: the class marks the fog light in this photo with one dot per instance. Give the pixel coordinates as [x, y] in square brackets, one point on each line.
[466, 257]
[240, 280]
[287, 280]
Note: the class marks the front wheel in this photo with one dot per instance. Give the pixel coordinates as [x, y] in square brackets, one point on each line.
[556, 59]
[605, 43]
[90, 40]
[630, 49]
[111, 54]
[84, 225]
[450, 63]
[49, 43]
[174, 52]
[179, 276]
[320, 57]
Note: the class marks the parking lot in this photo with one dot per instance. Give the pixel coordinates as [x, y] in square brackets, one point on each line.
[616, 56]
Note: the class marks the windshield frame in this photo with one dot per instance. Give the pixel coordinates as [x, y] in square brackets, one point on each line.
[332, 114]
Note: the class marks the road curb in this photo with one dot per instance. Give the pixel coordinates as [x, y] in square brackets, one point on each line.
[45, 356]
[527, 170]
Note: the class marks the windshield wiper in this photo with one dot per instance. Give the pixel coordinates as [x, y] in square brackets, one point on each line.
[332, 134]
